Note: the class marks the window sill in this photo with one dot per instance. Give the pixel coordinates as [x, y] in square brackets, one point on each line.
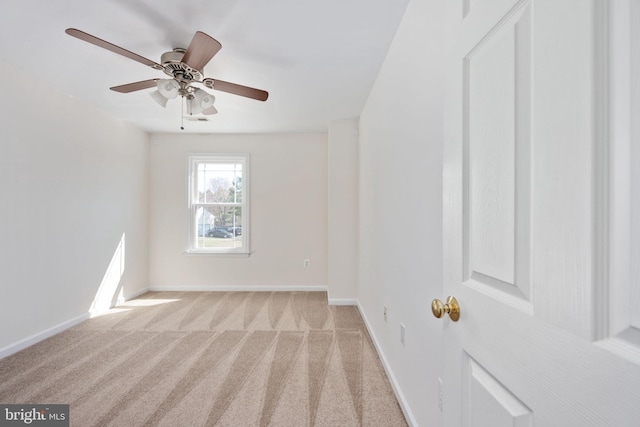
[217, 254]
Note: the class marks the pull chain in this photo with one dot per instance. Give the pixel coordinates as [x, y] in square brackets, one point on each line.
[182, 115]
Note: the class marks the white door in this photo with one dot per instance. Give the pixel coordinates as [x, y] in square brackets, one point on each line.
[538, 223]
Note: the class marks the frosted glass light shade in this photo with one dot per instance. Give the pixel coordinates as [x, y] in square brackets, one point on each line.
[209, 111]
[204, 99]
[193, 107]
[157, 96]
[168, 88]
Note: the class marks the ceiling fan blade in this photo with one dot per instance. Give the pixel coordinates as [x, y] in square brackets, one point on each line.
[236, 89]
[112, 47]
[200, 51]
[132, 87]
[209, 111]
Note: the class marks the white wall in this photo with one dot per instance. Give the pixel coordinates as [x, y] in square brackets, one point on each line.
[400, 212]
[73, 181]
[343, 211]
[288, 213]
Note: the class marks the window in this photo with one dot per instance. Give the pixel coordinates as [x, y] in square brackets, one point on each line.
[218, 204]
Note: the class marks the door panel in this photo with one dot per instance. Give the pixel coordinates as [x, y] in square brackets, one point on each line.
[496, 96]
[489, 403]
[620, 326]
[526, 238]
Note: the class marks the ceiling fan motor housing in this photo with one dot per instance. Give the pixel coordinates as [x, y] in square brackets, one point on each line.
[174, 67]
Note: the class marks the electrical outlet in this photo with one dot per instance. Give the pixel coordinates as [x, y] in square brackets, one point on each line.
[306, 263]
[402, 328]
[385, 313]
[440, 394]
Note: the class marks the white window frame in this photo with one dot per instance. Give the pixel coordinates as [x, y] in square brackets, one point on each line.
[193, 203]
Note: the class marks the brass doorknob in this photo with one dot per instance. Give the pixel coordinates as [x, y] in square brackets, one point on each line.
[439, 309]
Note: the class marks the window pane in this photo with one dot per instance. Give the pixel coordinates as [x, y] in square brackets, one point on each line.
[219, 242]
[219, 182]
[223, 216]
[223, 225]
[204, 221]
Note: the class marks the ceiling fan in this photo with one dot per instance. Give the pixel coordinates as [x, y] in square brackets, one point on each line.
[185, 67]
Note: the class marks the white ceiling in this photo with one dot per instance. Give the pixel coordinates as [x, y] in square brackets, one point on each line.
[317, 58]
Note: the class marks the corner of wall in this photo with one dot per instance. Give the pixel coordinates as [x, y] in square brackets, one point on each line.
[343, 210]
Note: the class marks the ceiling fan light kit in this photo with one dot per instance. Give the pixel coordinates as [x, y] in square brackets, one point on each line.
[185, 67]
[200, 102]
[159, 98]
[202, 99]
[168, 88]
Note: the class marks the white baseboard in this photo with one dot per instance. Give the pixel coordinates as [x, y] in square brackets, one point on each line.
[342, 301]
[404, 405]
[29, 341]
[237, 288]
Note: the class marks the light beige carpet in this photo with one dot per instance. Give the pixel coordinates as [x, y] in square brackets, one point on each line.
[210, 358]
